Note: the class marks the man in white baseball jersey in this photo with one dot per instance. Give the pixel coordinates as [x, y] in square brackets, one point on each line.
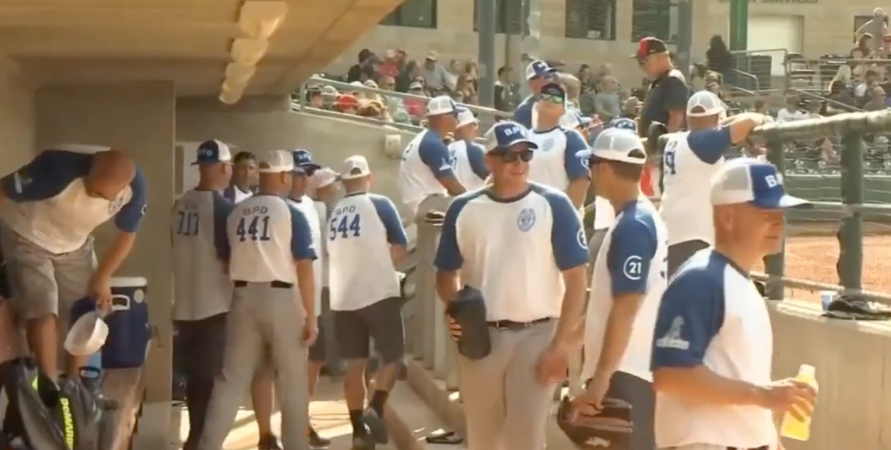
[426, 168]
[522, 246]
[203, 291]
[555, 164]
[466, 154]
[304, 168]
[538, 73]
[366, 242]
[713, 343]
[270, 257]
[627, 284]
[689, 161]
[48, 210]
[244, 176]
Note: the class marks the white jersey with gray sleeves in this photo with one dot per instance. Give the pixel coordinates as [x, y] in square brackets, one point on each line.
[49, 205]
[361, 230]
[198, 230]
[712, 315]
[514, 251]
[555, 163]
[308, 208]
[632, 260]
[690, 160]
[425, 161]
[265, 237]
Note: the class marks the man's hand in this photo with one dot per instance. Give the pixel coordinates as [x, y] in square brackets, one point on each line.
[590, 402]
[790, 395]
[310, 330]
[454, 328]
[552, 366]
[100, 288]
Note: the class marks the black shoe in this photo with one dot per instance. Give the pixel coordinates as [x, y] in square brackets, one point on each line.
[268, 443]
[375, 424]
[363, 442]
[317, 442]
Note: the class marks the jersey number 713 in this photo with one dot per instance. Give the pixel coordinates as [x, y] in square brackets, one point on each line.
[257, 229]
[346, 225]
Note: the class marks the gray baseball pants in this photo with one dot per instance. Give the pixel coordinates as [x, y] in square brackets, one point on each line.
[263, 320]
[505, 406]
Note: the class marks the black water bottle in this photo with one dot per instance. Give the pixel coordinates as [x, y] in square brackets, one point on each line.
[469, 309]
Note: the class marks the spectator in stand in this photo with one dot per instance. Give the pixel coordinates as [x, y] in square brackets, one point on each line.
[631, 108]
[876, 100]
[455, 70]
[373, 109]
[472, 71]
[840, 97]
[870, 80]
[348, 104]
[414, 106]
[718, 56]
[329, 94]
[371, 95]
[761, 108]
[464, 86]
[885, 50]
[389, 67]
[355, 72]
[503, 90]
[877, 26]
[407, 75]
[396, 105]
[790, 112]
[585, 76]
[436, 77]
[864, 44]
[606, 101]
[315, 98]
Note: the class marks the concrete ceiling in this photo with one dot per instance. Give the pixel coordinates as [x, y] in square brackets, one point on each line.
[97, 41]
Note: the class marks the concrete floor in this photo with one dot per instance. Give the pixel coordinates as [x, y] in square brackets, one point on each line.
[329, 416]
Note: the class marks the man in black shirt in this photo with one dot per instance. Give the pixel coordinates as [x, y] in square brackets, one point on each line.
[666, 98]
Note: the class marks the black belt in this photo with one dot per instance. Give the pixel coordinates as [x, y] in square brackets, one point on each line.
[511, 325]
[763, 447]
[274, 284]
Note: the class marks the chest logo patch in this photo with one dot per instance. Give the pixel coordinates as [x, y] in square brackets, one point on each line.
[116, 204]
[546, 145]
[526, 219]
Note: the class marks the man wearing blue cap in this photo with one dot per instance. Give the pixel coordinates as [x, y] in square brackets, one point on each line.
[522, 246]
[426, 170]
[627, 283]
[304, 168]
[555, 164]
[538, 73]
[713, 342]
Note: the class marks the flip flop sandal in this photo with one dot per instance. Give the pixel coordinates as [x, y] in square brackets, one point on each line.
[446, 438]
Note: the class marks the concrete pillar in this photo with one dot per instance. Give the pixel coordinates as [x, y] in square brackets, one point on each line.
[138, 118]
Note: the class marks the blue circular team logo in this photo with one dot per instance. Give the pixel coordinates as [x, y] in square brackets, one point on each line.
[546, 145]
[526, 219]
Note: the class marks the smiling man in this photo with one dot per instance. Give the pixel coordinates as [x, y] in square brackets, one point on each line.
[48, 210]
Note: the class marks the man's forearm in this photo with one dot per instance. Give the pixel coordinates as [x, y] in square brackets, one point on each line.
[115, 254]
[306, 285]
[699, 384]
[447, 285]
[577, 191]
[617, 335]
[572, 313]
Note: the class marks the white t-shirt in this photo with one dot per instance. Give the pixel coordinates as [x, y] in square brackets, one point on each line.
[308, 208]
[555, 163]
[604, 214]
[467, 163]
[425, 160]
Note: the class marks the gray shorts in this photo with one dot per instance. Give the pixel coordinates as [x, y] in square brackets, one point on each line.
[640, 395]
[45, 283]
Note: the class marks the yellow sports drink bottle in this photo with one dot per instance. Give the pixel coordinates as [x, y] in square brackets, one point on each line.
[800, 430]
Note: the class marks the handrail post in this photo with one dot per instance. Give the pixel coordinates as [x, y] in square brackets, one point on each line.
[851, 233]
[775, 264]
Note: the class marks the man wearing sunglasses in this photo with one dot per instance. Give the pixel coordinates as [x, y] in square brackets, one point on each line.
[538, 73]
[630, 277]
[522, 246]
[427, 170]
[556, 164]
[50, 208]
[304, 168]
[668, 92]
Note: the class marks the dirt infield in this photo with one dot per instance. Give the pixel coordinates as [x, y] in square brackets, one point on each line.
[812, 255]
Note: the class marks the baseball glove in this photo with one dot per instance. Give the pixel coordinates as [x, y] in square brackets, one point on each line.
[608, 430]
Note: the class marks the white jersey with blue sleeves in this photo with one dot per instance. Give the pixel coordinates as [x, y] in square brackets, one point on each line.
[198, 229]
[712, 315]
[265, 236]
[306, 206]
[632, 260]
[467, 163]
[514, 251]
[425, 161]
[689, 162]
[49, 205]
[555, 163]
[361, 230]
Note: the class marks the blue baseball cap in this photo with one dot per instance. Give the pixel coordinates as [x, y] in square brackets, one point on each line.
[623, 123]
[212, 152]
[538, 69]
[749, 180]
[553, 89]
[616, 145]
[504, 135]
[303, 160]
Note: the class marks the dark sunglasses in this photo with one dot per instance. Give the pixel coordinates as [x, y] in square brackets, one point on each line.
[553, 98]
[512, 157]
